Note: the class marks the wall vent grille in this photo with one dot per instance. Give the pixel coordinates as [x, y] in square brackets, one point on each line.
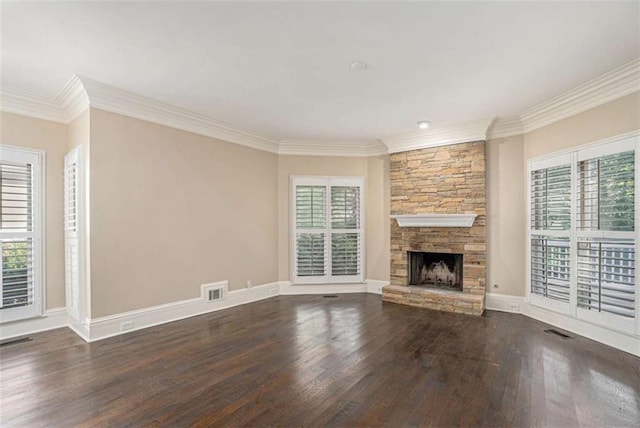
[215, 291]
[215, 294]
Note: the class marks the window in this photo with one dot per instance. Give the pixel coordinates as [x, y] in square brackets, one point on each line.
[605, 232]
[583, 235]
[20, 233]
[327, 222]
[550, 231]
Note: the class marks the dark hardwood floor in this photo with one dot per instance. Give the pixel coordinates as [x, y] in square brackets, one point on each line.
[309, 360]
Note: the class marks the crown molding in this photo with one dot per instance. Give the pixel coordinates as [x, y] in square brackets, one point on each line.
[80, 93]
[505, 127]
[324, 148]
[14, 101]
[610, 86]
[73, 97]
[116, 100]
[439, 135]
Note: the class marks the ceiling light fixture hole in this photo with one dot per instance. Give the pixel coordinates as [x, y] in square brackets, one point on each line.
[358, 66]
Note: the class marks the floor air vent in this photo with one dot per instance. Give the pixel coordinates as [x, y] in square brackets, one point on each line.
[15, 341]
[330, 296]
[557, 333]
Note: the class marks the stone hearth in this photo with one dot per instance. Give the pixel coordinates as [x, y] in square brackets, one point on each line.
[440, 180]
[438, 299]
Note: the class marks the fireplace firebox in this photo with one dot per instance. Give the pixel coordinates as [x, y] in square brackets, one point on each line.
[439, 270]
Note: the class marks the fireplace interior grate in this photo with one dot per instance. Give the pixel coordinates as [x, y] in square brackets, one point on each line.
[558, 333]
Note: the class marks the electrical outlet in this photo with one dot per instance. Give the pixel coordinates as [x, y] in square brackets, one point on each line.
[249, 284]
[127, 325]
[514, 307]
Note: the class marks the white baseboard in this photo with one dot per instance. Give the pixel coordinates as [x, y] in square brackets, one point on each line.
[374, 286]
[369, 286]
[504, 303]
[53, 318]
[624, 342]
[112, 325]
[519, 305]
[289, 289]
[101, 328]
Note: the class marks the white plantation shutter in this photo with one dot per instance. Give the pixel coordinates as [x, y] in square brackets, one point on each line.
[606, 193]
[345, 228]
[20, 282]
[550, 250]
[311, 239]
[605, 198]
[606, 276]
[327, 229]
[551, 198]
[584, 233]
[17, 273]
[71, 237]
[550, 267]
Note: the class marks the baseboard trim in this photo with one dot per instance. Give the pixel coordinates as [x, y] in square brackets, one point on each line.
[52, 319]
[519, 305]
[369, 286]
[374, 286]
[112, 325]
[621, 341]
[101, 328]
[504, 303]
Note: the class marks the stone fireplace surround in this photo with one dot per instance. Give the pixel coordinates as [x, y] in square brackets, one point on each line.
[441, 180]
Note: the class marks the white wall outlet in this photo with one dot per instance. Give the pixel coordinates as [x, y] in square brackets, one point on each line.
[249, 284]
[127, 325]
[514, 307]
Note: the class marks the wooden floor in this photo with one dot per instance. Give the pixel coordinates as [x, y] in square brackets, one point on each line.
[312, 361]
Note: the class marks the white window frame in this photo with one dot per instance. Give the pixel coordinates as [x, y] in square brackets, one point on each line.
[37, 159]
[617, 144]
[327, 182]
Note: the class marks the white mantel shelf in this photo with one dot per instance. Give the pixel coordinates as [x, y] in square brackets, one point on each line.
[435, 220]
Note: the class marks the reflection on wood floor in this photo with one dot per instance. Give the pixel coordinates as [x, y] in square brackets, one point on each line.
[306, 360]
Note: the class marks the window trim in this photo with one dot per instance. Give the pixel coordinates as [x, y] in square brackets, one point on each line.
[328, 181]
[616, 144]
[38, 159]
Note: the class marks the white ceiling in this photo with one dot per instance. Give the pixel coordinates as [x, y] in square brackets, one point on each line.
[282, 69]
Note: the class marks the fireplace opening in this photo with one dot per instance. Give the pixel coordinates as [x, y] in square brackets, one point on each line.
[440, 270]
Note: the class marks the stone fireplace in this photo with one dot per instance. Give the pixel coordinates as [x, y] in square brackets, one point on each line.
[447, 181]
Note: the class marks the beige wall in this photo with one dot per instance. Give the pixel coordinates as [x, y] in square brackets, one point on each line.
[614, 118]
[378, 221]
[505, 216]
[376, 172]
[17, 130]
[171, 210]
